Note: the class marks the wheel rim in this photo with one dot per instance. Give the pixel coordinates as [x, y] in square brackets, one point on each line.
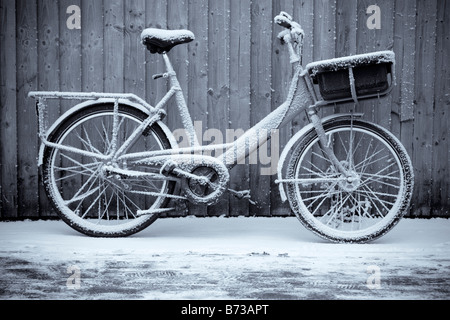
[356, 206]
[83, 190]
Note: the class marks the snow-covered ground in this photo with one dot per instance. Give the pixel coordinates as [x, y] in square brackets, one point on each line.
[223, 258]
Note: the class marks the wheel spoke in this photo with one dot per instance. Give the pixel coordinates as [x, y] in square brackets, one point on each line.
[77, 194]
[92, 205]
[74, 172]
[367, 162]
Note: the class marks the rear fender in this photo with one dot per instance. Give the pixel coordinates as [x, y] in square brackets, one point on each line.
[300, 135]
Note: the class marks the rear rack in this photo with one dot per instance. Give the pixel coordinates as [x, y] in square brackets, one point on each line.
[42, 96]
[88, 96]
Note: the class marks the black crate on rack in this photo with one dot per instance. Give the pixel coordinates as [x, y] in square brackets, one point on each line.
[369, 74]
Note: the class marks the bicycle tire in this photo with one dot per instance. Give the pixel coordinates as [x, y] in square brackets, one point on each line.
[373, 210]
[61, 182]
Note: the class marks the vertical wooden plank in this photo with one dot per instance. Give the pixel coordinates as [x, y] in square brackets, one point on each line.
[91, 51]
[218, 81]
[134, 55]
[198, 75]
[303, 13]
[404, 48]
[366, 42]
[261, 95]
[423, 117]
[324, 29]
[156, 17]
[8, 128]
[48, 48]
[70, 54]
[441, 160]
[134, 52]
[325, 35]
[403, 92]
[92, 45]
[240, 42]
[48, 73]
[281, 76]
[324, 48]
[113, 46]
[70, 65]
[346, 18]
[27, 58]
[177, 18]
[346, 24]
[198, 60]
[369, 40]
[385, 41]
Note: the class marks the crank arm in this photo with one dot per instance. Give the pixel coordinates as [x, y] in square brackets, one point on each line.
[312, 180]
[140, 213]
[244, 194]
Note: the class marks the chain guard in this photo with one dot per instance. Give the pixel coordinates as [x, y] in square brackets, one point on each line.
[190, 166]
[212, 183]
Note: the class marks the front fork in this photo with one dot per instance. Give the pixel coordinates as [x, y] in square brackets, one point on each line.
[317, 123]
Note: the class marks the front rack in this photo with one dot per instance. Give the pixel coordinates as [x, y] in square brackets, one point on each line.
[353, 78]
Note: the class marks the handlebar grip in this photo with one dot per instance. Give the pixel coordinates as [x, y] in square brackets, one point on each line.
[283, 21]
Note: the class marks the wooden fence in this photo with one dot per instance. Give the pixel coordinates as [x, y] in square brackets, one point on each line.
[233, 74]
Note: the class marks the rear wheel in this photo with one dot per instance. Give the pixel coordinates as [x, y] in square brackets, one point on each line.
[358, 208]
[86, 195]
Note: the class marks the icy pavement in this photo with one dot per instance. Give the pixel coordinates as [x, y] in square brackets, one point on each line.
[223, 258]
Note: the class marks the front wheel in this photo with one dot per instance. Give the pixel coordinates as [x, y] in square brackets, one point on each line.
[85, 194]
[356, 208]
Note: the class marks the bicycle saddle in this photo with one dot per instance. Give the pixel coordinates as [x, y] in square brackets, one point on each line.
[161, 40]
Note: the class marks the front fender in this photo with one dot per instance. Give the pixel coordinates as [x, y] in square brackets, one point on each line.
[90, 103]
[298, 136]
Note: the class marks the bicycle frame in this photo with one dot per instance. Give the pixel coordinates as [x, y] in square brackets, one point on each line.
[354, 200]
[301, 96]
[252, 139]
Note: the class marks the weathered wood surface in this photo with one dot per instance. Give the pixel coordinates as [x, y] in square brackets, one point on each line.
[233, 74]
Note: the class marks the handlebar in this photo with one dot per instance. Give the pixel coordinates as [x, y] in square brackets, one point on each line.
[293, 35]
[285, 20]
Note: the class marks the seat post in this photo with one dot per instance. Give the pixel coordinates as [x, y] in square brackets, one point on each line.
[169, 67]
[181, 102]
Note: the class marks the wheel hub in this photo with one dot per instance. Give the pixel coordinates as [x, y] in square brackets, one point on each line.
[351, 182]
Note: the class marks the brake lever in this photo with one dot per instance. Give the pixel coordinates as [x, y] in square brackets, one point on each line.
[285, 14]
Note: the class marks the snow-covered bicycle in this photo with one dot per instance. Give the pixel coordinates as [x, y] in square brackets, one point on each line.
[111, 166]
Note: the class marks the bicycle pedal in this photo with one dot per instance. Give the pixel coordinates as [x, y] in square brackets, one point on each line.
[244, 194]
